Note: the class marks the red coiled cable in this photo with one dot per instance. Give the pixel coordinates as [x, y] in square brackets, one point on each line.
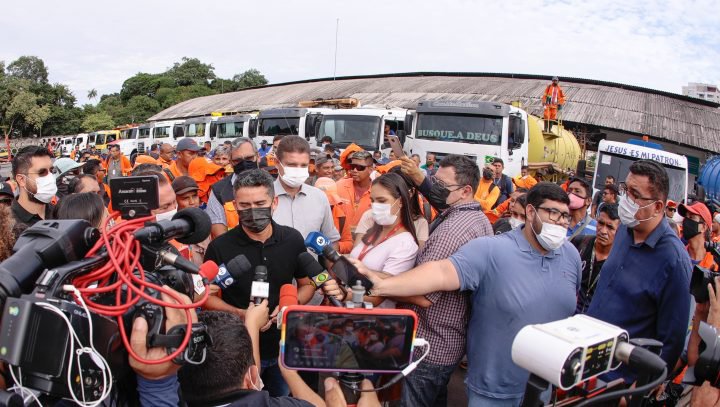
[124, 253]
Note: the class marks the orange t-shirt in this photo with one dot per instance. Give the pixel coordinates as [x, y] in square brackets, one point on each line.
[355, 208]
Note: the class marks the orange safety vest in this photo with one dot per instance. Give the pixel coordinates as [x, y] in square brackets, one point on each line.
[554, 96]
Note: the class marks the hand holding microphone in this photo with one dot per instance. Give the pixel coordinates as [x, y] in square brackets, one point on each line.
[320, 278]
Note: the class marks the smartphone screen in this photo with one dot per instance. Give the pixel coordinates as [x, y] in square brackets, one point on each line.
[349, 275]
[348, 340]
[396, 147]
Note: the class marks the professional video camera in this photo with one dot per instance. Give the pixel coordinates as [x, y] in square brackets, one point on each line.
[701, 277]
[71, 293]
[572, 351]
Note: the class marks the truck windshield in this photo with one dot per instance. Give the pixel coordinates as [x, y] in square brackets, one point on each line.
[230, 130]
[195, 130]
[129, 134]
[279, 125]
[144, 132]
[100, 139]
[361, 130]
[619, 165]
[161, 132]
[460, 128]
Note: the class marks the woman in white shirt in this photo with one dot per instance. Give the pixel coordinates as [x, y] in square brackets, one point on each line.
[390, 244]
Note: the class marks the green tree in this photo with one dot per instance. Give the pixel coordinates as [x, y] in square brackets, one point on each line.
[138, 109]
[142, 84]
[249, 79]
[23, 110]
[98, 121]
[191, 72]
[30, 68]
[92, 94]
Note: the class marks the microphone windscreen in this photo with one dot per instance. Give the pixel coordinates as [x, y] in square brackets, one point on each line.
[238, 266]
[209, 270]
[200, 224]
[288, 296]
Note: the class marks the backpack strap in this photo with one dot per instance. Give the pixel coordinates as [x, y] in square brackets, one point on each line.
[169, 174]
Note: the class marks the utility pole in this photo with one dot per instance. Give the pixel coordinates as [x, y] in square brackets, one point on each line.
[337, 28]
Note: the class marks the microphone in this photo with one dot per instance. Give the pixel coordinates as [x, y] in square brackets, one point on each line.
[288, 297]
[321, 246]
[317, 273]
[188, 226]
[208, 270]
[230, 274]
[260, 288]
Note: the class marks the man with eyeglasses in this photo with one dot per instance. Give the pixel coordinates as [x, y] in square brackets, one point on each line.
[32, 171]
[529, 275]
[671, 210]
[356, 189]
[643, 286]
[220, 207]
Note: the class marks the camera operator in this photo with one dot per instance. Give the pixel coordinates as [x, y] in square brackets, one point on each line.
[229, 376]
[705, 395]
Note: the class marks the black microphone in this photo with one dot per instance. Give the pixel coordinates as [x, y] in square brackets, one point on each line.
[317, 273]
[188, 226]
[260, 288]
[230, 273]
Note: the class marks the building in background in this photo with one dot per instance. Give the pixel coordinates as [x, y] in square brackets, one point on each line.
[702, 91]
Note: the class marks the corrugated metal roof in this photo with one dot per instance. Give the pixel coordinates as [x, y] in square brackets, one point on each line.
[662, 115]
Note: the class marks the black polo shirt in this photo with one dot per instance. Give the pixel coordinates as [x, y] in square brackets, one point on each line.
[279, 254]
[23, 217]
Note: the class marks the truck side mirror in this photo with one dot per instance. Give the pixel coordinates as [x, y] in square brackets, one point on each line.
[408, 125]
[311, 125]
[401, 136]
[253, 128]
[178, 132]
[213, 130]
[517, 132]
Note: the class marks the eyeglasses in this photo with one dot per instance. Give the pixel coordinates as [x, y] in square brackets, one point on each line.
[435, 180]
[623, 190]
[6, 201]
[43, 172]
[556, 215]
[672, 209]
[236, 161]
[358, 167]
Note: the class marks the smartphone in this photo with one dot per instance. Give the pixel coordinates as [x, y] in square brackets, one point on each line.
[349, 274]
[331, 339]
[395, 145]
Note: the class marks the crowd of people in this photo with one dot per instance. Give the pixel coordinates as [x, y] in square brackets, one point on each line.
[475, 253]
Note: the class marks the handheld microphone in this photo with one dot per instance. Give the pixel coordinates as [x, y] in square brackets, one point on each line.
[188, 226]
[288, 297]
[208, 270]
[230, 274]
[321, 245]
[317, 273]
[260, 288]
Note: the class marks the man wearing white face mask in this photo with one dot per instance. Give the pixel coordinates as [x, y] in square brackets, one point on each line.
[32, 171]
[643, 286]
[530, 275]
[300, 206]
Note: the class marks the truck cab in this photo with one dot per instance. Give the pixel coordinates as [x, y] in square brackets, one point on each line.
[231, 127]
[66, 146]
[105, 137]
[285, 121]
[144, 138]
[614, 158]
[127, 141]
[200, 129]
[81, 141]
[169, 131]
[363, 126]
[477, 129]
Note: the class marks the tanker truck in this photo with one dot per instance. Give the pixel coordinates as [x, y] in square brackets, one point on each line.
[485, 130]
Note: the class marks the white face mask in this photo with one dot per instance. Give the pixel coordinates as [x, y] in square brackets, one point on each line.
[260, 385]
[627, 211]
[551, 236]
[166, 215]
[46, 188]
[294, 176]
[382, 213]
[516, 223]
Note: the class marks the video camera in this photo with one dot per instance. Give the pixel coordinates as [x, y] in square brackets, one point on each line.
[575, 350]
[70, 294]
[701, 277]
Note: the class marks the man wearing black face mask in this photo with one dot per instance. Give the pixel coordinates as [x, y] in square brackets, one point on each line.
[263, 242]
[243, 157]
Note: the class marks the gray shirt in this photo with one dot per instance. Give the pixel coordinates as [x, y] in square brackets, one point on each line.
[114, 169]
[308, 212]
[512, 286]
[215, 208]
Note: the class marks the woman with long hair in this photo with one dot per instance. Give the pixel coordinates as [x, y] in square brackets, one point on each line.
[390, 244]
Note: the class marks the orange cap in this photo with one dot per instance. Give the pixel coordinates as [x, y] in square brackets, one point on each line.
[200, 168]
[698, 208]
[383, 169]
[345, 156]
[144, 159]
[328, 186]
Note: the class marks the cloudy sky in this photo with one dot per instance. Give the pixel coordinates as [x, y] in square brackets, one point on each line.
[87, 44]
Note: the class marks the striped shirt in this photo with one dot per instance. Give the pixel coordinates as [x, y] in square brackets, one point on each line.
[444, 323]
